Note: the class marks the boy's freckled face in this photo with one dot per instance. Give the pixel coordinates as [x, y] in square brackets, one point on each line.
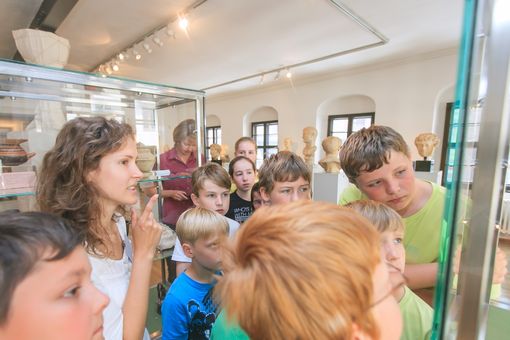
[212, 197]
[56, 301]
[392, 184]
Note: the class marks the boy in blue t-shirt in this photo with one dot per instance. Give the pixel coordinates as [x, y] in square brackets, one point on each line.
[188, 309]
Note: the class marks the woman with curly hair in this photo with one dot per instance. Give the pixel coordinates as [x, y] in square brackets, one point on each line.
[89, 176]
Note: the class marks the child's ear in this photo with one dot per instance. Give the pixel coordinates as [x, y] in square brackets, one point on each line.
[357, 334]
[187, 250]
[194, 198]
[264, 194]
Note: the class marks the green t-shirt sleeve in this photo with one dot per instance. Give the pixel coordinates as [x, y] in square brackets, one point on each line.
[225, 330]
[350, 194]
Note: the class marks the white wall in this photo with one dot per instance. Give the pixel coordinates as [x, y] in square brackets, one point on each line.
[409, 96]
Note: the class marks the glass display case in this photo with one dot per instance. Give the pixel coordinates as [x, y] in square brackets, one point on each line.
[36, 101]
[472, 296]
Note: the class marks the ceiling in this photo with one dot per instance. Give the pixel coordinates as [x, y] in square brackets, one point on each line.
[231, 40]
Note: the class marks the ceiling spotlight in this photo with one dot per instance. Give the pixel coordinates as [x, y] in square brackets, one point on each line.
[277, 75]
[147, 47]
[115, 67]
[121, 56]
[137, 55]
[288, 74]
[183, 23]
[108, 69]
[157, 41]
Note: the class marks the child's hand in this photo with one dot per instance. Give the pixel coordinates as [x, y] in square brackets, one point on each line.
[146, 231]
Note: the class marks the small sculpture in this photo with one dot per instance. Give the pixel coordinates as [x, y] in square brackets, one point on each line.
[425, 143]
[331, 162]
[224, 153]
[287, 144]
[12, 154]
[145, 159]
[215, 150]
[309, 136]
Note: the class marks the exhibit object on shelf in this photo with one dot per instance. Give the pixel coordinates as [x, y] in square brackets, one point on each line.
[145, 159]
[41, 47]
[331, 162]
[224, 153]
[167, 240]
[38, 93]
[287, 144]
[309, 137]
[215, 150]
[12, 154]
[425, 144]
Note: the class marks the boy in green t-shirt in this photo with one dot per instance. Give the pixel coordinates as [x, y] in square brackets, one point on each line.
[378, 162]
[417, 315]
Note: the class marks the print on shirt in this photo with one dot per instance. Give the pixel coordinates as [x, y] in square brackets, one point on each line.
[201, 321]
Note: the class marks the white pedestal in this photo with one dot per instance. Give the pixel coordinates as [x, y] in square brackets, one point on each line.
[328, 187]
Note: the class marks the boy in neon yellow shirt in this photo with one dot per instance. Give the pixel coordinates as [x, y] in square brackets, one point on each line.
[417, 315]
[378, 162]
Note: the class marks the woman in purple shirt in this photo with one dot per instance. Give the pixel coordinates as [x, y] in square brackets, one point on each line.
[181, 160]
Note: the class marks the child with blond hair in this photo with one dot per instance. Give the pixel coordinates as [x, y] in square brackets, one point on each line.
[188, 310]
[417, 315]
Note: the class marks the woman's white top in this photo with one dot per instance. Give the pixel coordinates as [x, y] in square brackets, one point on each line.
[112, 278]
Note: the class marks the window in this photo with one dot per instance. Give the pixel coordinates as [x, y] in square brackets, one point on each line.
[342, 126]
[265, 135]
[213, 137]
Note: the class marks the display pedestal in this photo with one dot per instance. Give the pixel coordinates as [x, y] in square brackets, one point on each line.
[328, 187]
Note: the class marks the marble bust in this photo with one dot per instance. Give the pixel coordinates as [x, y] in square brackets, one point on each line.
[287, 144]
[331, 162]
[309, 136]
[426, 143]
[215, 150]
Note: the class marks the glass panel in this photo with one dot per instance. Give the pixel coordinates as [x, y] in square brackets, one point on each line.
[340, 124]
[272, 140]
[477, 167]
[35, 102]
[271, 151]
[259, 130]
[273, 129]
[361, 122]
[341, 135]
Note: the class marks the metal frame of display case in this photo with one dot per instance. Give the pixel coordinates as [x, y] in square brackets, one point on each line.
[11, 86]
[482, 84]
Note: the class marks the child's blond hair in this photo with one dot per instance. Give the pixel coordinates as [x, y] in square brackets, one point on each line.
[380, 215]
[213, 172]
[198, 224]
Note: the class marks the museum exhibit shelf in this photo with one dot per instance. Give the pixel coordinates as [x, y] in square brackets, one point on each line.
[36, 101]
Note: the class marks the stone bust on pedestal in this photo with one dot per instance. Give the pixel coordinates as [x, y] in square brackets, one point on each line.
[331, 162]
[309, 136]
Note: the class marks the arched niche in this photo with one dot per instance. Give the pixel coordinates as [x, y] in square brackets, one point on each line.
[260, 114]
[341, 105]
[212, 120]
